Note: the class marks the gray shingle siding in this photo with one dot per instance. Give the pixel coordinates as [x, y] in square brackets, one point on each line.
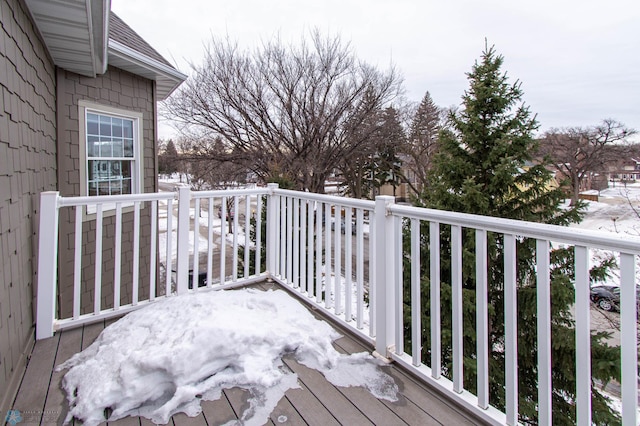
[39, 151]
[27, 167]
[120, 89]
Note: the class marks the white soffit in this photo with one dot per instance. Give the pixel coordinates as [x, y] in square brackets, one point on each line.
[75, 32]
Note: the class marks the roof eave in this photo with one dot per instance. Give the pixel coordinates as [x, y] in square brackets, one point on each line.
[74, 29]
[167, 78]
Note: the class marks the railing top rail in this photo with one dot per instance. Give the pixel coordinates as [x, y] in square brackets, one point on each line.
[622, 243]
[333, 199]
[112, 199]
[562, 234]
[229, 192]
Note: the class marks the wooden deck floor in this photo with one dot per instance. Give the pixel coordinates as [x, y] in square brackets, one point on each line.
[40, 399]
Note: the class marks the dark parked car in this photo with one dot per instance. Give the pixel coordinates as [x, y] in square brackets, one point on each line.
[607, 297]
[343, 227]
[229, 214]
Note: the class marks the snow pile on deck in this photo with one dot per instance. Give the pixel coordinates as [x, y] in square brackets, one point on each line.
[164, 358]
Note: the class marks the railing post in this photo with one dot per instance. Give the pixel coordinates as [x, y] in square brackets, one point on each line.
[629, 339]
[385, 276]
[272, 238]
[182, 261]
[47, 264]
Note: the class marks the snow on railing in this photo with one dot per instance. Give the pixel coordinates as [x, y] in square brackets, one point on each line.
[349, 259]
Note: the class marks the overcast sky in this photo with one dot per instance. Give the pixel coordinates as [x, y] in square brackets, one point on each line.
[578, 60]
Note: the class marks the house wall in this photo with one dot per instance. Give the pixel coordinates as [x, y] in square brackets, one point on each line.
[119, 89]
[27, 167]
[401, 191]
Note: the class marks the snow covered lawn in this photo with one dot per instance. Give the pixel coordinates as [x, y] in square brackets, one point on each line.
[613, 215]
[167, 357]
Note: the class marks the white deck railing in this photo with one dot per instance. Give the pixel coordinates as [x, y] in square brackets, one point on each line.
[173, 268]
[319, 246]
[545, 236]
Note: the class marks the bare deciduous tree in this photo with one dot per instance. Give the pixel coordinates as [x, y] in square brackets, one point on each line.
[212, 165]
[285, 107]
[578, 152]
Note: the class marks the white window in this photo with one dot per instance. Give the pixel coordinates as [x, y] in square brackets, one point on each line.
[111, 161]
[110, 150]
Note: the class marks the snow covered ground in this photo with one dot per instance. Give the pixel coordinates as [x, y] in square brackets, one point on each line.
[350, 294]
[168, 357]
[162, 231]
[612, 213]
[616, 212]
[202, 244]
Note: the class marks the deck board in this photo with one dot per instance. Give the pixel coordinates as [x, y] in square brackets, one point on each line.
[146, 422]
[238, 399]
[126, 421]
[286, 413]
[341, 408]
[428, 401]
[182, 419]
[404, 408]
[32, 395]
[218, 412]
[380, 411]
[91, 333]
[316, 402]
[372, 408]
[419, 395]
[310, 408]
[57, 407]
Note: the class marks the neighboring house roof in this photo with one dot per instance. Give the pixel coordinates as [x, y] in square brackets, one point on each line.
[84, 36]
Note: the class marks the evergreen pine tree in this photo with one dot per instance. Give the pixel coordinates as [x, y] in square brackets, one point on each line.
[423, 140]
[377, 162]
[168, 158]
[391, 140]
[483, 166]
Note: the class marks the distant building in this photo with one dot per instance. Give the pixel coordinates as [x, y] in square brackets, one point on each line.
[626, 170]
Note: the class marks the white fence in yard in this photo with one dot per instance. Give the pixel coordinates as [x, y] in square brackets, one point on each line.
[348, 258]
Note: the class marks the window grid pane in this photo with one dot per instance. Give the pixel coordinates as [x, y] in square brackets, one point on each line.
[107, 177]
[110, 154]
[115, 136]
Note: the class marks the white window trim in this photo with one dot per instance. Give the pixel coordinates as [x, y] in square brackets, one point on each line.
[137, 185]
